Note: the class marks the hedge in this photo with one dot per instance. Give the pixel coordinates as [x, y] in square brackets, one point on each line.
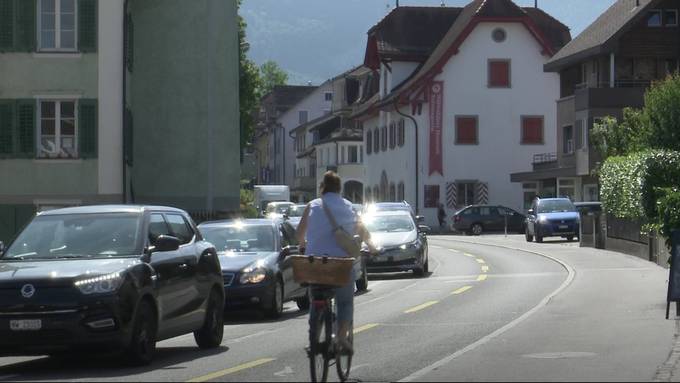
[668, 208]
[632, 185]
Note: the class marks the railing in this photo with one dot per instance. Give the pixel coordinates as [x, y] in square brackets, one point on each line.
[544, 158]
[617, 84]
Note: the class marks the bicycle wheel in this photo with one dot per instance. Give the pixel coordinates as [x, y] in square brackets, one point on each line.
[343, 360]
[319, 339]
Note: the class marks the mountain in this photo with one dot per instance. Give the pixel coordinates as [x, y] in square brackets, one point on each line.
[314, 40]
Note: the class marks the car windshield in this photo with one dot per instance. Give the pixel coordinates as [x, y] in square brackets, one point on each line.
[240, 238]
[78, 236]
[296, 211]
[555, 206]
[389, 223]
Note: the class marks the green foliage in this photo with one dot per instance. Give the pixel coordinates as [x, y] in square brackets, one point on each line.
[248, 209]
[662, 114]
[630, 186]
[613, 138]
[272, 75]
[668, 208]
[249, 86]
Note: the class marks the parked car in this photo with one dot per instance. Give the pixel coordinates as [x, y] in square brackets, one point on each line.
[277, 209]
[477, 219]
[359, 266]
[253, 255]
[109, 277]
[296, 210]
[552, 217]
[393, 206]
[401, 242]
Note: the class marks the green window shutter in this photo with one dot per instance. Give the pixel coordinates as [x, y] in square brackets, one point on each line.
[6, 128]
[25, 25]
[87, 128]
[6, 25]
[87, 25]
[25, 128]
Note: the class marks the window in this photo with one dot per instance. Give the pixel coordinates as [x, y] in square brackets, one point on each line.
[431, 196]
[465, 194]
[670, 17]
[157, 227]
[400, 192]
[303, 116]
[568, 139]
[352, 155]
[180, 228]
[57, 133]
[401, 136]
[361, 154]
[532, 130]
[499, 35]
[466, 130]
[393, 193]
[383, 142]
[393, 135]
[384, 82]
[654, 18]
[580, 134]
[499, 73]
[343, 150]
[369, 142]
[328, 96]
[57, 25]
[376, 140]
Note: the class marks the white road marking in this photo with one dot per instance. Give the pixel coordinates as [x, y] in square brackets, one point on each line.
[253, 335]
[570, 277]
[285, 372]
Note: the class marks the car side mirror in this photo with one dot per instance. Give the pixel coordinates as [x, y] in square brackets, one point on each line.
[424, 229]
[530, 211]
[420, 219]
[166, 243]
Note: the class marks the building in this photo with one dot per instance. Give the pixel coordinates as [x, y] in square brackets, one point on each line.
[267, 136]
[603, 70]
[333, 142]
[77, 73]
[463, 102]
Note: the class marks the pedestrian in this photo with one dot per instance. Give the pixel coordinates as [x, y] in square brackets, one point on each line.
[316, 233]
[441, 216]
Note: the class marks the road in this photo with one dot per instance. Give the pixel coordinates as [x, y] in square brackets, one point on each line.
[405, 327]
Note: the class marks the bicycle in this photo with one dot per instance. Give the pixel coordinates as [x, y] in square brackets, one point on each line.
[322, 346]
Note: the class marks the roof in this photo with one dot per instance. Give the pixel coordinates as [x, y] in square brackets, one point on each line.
[596, 37]
[286, 96]
[412, 31]
[549, 32]
[103, 209]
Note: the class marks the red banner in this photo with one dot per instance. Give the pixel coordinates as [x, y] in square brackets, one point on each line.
[436, 102]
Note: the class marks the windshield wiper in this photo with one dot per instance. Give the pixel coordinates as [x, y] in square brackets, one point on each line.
[72, 256]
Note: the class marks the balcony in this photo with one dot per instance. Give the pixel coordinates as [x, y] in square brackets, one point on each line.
[544, 161]
[625, 94]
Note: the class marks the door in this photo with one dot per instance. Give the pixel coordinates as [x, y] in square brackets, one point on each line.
[489, 218]
[172, 279]
[288, 240]
[197, 286]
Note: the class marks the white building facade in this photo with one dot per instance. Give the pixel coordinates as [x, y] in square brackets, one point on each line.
[476, 111]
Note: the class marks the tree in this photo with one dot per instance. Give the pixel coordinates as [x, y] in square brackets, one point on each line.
[249, 86]
[272, 75]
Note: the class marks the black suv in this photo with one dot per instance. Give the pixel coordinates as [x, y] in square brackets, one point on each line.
[103, 277]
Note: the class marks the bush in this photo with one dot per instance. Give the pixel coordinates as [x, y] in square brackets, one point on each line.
[248, 209]
[631, 185]
[668, 208]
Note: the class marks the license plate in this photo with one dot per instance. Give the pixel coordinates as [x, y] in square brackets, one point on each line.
[563, 226]
[25, 325]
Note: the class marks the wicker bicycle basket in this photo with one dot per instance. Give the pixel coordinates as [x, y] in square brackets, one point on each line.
[327, 271]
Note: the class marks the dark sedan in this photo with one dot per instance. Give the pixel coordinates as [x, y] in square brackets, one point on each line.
[401, 243]
[477, 219]
[253, 257]
[104, 277]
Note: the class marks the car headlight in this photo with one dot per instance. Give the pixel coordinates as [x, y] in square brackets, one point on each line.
[413, 245]
[100, 285]
[254, 273]
[542, 219]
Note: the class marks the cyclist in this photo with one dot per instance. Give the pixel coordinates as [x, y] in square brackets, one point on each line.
[316, 230]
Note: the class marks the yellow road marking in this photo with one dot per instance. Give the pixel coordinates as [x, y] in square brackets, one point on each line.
[232, 370]
[485, 269]
[420, 307]
[480, 260]
[482, 277]
[365, 327]
[469, 255]
[461, 290]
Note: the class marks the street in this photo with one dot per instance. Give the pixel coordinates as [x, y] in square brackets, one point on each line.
[484, 313]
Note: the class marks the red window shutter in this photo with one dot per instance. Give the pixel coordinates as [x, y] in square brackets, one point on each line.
[466, 130]
[499, 74]
[532, 130]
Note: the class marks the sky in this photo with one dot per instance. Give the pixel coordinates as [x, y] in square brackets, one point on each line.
[314, 40]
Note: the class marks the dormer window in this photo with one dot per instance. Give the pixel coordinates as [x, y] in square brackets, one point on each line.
[670, 17]
[328, 96]
[654, 18]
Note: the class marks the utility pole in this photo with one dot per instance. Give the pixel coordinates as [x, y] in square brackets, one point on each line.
[535, 3]
[397, 6]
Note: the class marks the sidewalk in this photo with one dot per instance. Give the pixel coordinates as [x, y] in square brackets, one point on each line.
[607, 325]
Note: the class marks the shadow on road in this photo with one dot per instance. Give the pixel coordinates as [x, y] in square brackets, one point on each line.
[249, 316]
[395, 276]
[89, 366]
